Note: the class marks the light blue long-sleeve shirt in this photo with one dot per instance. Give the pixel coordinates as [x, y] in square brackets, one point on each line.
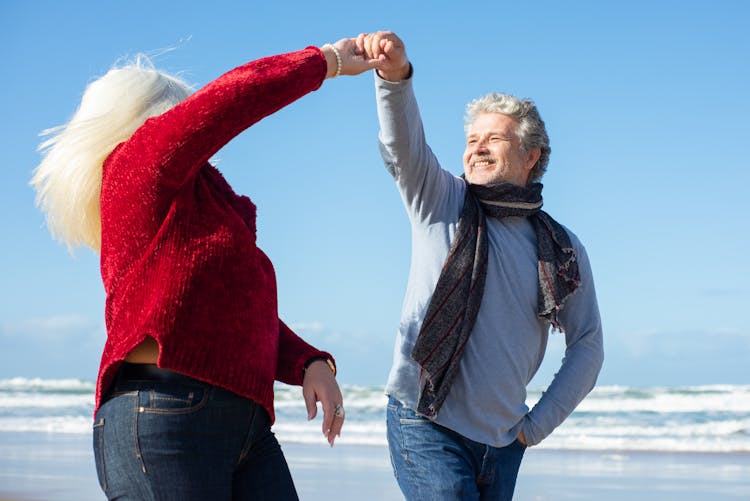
[487, 400]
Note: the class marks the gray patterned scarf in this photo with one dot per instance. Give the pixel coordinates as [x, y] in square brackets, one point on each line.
[458, 294]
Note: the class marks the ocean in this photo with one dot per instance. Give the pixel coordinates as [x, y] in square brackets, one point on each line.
[704, 419]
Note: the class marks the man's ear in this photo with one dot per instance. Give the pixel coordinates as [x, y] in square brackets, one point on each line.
[532, 157]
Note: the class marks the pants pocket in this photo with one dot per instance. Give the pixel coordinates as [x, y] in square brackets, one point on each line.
[407, 416]
[173, 398]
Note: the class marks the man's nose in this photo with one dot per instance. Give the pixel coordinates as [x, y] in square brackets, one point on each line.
[480, 146]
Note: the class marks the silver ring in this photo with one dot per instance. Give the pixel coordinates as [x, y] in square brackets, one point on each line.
[338, 411]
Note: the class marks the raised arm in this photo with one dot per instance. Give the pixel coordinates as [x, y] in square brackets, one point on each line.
[168, 150]
[425, 187]
[181, 140]
[174, 145]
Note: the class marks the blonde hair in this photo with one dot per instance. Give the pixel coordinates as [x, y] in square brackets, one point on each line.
[68, 180]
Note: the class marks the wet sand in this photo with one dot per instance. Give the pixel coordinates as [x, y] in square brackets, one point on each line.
[47, 467]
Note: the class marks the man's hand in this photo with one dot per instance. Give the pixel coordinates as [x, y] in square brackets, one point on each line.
[353, 60]
[319, 385]
[522, 438]
[389, 50]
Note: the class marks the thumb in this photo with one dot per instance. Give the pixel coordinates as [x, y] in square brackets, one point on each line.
[373, 64]
[310, 403]
[357, 65]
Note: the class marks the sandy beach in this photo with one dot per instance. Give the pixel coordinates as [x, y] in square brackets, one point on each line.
[59, 467]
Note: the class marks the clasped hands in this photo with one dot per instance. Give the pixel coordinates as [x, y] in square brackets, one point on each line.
[385, 52]
[382, 51]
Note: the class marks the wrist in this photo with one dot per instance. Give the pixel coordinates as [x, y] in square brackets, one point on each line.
[333, 60]
[325, 360]
[402, 73]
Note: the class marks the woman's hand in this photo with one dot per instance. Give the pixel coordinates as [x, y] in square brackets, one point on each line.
[319, 385]
[353, 61]
[389, 50]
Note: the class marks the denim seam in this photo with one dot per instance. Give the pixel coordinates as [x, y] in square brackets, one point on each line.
[187, 410]
[188, 400]
[414, 422]
[486, 470]
[99, 432]
[250, 434]
[136, 409]
[404, 451]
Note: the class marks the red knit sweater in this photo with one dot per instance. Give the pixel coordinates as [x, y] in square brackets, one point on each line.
[179, 259]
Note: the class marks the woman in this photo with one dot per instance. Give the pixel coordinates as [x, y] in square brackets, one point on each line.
[184, 398]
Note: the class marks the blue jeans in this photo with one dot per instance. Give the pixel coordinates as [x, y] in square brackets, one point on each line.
[433, 463]
[164, 438]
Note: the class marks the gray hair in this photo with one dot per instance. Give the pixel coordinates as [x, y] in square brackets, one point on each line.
[530, 131]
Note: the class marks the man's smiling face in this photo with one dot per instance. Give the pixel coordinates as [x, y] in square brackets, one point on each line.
[494, 153]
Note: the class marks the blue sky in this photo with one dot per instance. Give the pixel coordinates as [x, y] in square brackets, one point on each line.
[647, 109]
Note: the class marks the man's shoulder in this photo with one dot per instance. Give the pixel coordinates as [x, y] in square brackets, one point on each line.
[576, 243]
[574, 240]
[571, 234]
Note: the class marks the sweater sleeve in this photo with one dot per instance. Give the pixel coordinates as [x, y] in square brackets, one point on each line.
[427, 190]
[168, 150]
[293, 353]
[584, 356]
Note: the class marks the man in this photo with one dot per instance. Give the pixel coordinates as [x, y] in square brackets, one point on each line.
[490, 273]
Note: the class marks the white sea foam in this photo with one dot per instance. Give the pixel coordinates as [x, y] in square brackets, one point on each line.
[47, 424]
[44, 400]
[668, 400]
[369, 433]
[617, 418]
[42, 385]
